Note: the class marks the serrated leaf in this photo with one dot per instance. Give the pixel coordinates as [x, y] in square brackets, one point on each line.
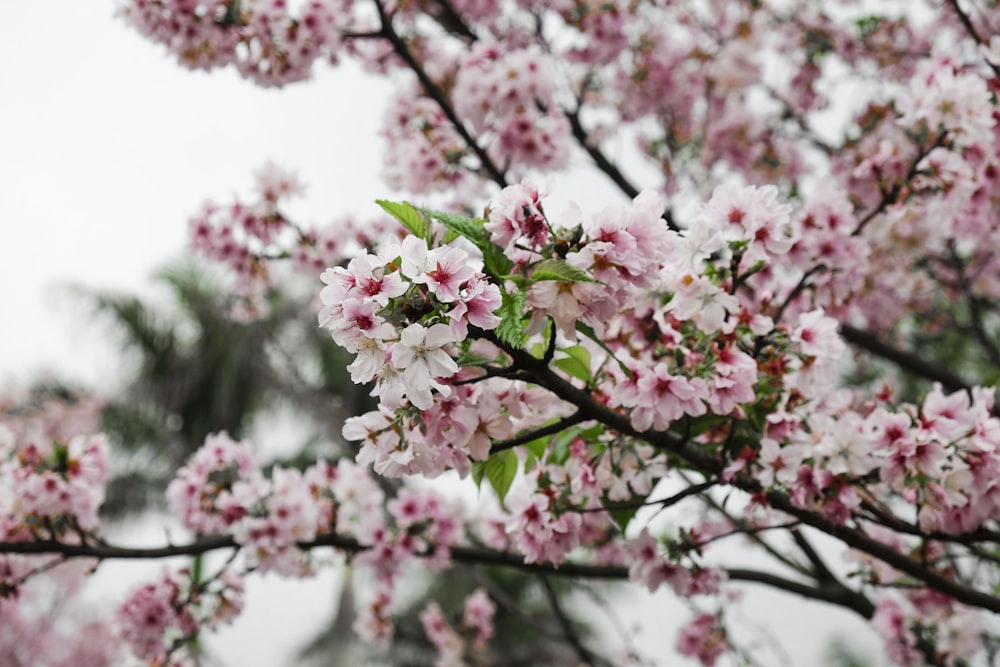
[500, 470]
[406, 214]
[589, 332]
[576, 364]
[511, 331]
[558, 269]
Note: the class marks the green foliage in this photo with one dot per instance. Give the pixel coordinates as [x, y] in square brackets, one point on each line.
[868, 25]
[589, 332]
[406, 215]
[470, 228]
[499, 469]
[576, 363]
[558, 269]
[511, 330]
[840, 654]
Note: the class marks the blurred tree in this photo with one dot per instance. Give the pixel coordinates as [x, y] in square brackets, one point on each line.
[199, 371]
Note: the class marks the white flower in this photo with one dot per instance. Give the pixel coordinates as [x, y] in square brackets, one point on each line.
[420, 356]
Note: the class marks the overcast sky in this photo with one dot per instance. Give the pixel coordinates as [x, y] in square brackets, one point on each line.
[107, 146]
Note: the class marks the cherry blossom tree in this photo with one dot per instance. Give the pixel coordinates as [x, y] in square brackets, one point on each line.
[813, 195]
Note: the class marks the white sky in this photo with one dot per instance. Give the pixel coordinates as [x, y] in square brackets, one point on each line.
[107, 146]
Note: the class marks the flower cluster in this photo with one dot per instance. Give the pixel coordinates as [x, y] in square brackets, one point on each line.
[158, 618]
[941, 455]
[389, 309]
[565, 364]
[247, 238]
[477, 623]
[46, 621]
[929, 617]
[51, 489]
[265, 42]
[512, 94]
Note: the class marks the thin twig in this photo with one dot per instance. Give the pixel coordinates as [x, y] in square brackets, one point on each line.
[542, 432]
[905, 359]
[892, 195]
[570, 634]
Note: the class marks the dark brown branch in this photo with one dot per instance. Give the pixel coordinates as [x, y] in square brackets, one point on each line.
[528, 436]
[971, 29]
[798, 289]
[905, 359]
[820, 570]
[598, 156]
[451, 20]
[966, 21]
[606, 165]
[857, 539]
[753, 533]
[835, 594]
[895, 523]
[709, 464]
[471, 555]
[435, 93]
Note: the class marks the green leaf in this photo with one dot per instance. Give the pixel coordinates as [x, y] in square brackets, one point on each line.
[406, 214]
[478, 470]
[511, 313]
[576, 364]
[705, 423]
[495, 261]
[500, 469]
[589, 332]
[538, 446]
[868, 26]
[558, 269]
[470, 228]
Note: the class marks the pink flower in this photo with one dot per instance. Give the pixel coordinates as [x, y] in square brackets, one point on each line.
[476, 304]
[817, 335]
[648, 567]
[449, 269]
[478, 616]
[703, 638]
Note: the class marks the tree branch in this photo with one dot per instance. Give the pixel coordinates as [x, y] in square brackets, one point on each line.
[436, 94]
[702, 460]
[892, 195]
[528, 436]
[905, 359]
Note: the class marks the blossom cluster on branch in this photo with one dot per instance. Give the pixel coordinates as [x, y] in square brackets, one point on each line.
[594, 369]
